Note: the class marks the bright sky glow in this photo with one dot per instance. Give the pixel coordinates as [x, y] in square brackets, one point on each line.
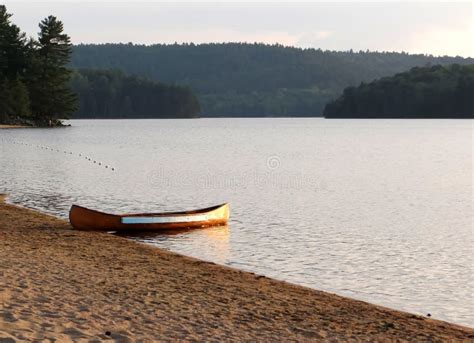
[438, 28]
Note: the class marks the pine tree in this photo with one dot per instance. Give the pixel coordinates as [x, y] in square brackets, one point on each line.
[4, 24]
[13, 47]
[18, 100]
[14, 97]
[52, 97]
[3, 100]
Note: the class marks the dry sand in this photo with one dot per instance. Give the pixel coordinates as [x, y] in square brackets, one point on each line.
[57, 283]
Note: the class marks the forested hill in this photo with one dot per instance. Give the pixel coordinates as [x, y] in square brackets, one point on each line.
[434, 92]
[37, 88]
[110, 94]
[237, 79]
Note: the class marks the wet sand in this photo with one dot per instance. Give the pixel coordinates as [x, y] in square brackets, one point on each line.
[57, 283]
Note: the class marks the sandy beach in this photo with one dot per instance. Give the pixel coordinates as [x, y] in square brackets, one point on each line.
[57, 283]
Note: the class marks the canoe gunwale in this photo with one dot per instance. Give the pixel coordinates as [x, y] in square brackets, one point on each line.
[82, 218]
[160, 214]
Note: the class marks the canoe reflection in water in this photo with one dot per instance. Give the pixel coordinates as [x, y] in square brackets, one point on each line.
[210, 244]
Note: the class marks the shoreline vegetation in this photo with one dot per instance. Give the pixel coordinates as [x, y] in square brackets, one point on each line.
[254, 79]
[38, 88]
[34, 79]
[46, 79]
[107, 94]
[430, 92]
[58, 283]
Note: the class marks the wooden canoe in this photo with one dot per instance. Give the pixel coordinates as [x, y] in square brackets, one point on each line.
[82, 218]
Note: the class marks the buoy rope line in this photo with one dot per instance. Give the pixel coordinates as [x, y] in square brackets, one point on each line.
[66, 152]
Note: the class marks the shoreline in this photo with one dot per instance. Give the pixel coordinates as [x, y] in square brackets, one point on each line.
[3, 126]
[70, 285]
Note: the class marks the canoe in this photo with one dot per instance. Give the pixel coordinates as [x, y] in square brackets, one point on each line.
[82, 218]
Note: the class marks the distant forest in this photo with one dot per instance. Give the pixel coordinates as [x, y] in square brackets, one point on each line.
[46, 79]
[111, 94]
[38, 87]
[239, 79]
[432, 92]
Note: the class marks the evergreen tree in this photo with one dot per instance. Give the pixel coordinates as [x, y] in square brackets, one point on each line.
[430, 92]
[111, 94]
[4, 27]
[239, 79]
[3, 100]
[13, 48]
[464, 95]
[18, 100]
[52, 97]
[14, 97]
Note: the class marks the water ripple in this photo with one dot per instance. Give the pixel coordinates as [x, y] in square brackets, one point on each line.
[376, 210]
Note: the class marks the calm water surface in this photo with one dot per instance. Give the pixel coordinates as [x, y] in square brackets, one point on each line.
[378, 210]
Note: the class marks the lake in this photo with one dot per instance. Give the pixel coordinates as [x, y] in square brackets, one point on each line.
[377, 210]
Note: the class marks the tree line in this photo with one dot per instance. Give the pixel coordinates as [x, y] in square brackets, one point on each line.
[430, 92]
[34, 78]
[38, 86]
[45, 79]
[241, 79]
[111, 94]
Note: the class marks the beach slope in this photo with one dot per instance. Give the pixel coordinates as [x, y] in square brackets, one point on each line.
[56, 283]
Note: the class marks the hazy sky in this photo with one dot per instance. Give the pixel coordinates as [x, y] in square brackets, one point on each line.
[437, 28]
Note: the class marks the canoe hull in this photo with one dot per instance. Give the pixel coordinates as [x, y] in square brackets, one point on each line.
[82, 218]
